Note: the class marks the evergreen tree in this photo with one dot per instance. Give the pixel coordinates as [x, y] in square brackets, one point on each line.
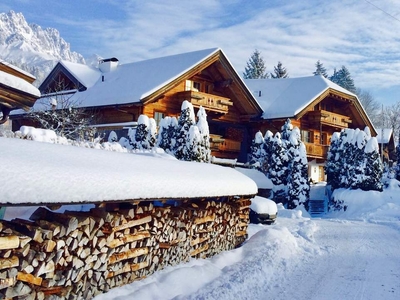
[344, 79]
[357, 174]
[257, 150]
[332, 165]
[131, 141]
[202, 124]
[298, 184]
[142, 134]
[166, 134]
[112, 137]
[373, 167]
[286, 130]
[185, 121]
[268, 144]
[279, 72]
[278, 171]
[194, 145]
[320, 69]
[255, 68]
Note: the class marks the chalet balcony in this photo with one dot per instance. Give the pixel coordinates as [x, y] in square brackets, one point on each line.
[329, 118]
[315, 150]
[208, 101]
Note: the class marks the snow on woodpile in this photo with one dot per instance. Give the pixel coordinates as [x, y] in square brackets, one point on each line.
[50, 173]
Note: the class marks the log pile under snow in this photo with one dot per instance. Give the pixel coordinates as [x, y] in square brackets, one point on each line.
[77, 255]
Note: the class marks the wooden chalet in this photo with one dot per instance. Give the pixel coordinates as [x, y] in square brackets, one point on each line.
[387, 145]
[16, 90]
[119, 93]
[314, 104]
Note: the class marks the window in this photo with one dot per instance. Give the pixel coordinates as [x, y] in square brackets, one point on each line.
[192, 86]
[196, 86]
[305, 136]
[158, 116]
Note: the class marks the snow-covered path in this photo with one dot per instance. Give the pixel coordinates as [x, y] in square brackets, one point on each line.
[358, 261]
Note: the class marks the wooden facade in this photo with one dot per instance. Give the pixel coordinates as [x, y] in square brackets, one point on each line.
[16, 91]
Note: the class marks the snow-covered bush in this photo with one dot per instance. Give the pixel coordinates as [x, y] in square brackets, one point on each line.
[185, 121]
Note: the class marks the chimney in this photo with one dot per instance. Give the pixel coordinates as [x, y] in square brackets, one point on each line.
[108, 64]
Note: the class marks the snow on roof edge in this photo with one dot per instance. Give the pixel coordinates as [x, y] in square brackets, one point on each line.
[144, 95]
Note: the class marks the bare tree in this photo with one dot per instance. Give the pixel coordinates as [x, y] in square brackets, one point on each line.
[60, 112]
[371, 106]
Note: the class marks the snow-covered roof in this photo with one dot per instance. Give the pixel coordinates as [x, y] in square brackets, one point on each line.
[286, 97]
[85, 74]
[17, 69]
[129, 83]
[18, 84]
[38, 173]
[384, 135]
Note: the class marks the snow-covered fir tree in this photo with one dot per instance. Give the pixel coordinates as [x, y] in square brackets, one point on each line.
[332, 165]
[194, 144]
[278, 171]
[185, 121]
[268, 144]
[202, 125]
[344, 79]
[142, 134]
[279, 71]
[255, 68]
[257, 152]
[320, 69]
[373, 167]
[286, 130]
[298, 184]
[357, 171]
[166, 134]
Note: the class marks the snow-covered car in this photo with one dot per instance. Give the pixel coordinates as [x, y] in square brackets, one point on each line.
[263, 211]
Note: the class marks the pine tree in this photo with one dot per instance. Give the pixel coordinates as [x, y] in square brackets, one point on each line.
[255, 68]
[202, 124]
[279, 169]
[344, 79]
[286, 130]
[358, 169]
[142, 134]
[320, 69]
[279, 72]
[166, 134]
[185, 121]
[257, 150]
[298, 184]
[332, 166]
[194, 145]
[373, 167]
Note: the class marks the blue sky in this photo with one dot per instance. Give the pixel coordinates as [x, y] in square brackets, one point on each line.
[362, 35]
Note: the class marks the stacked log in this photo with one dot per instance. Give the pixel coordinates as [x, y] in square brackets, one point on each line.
[78, 255]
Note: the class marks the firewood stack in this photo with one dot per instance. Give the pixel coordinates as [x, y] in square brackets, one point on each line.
[77, 255]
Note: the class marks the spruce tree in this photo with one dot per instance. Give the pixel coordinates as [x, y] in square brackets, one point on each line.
[358, 169]
[344, 79]
[255, 68]
[332, 165]
[278, 171]
[185, 121]
[194, 145]
[257, 151]
[286, 130]
[279, 72]
[202, 125]
[373, 167]
[320, 69]
[142, 134]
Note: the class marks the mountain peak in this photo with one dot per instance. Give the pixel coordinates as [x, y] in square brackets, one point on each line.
[31, 47]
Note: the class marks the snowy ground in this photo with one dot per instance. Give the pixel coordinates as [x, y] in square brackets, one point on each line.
[345, 255]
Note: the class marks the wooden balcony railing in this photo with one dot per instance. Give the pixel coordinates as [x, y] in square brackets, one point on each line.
[217, 143]
[208, 101]
[316, 150]
[329, 118]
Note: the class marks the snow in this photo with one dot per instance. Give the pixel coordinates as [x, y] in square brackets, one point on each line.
[52, 173]
[286, 97]
[262, 181]
[384, 135]
[18, 84]
[372, 146]
[347, 255]
[86, 75]
[263, 205]
[132, 82]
